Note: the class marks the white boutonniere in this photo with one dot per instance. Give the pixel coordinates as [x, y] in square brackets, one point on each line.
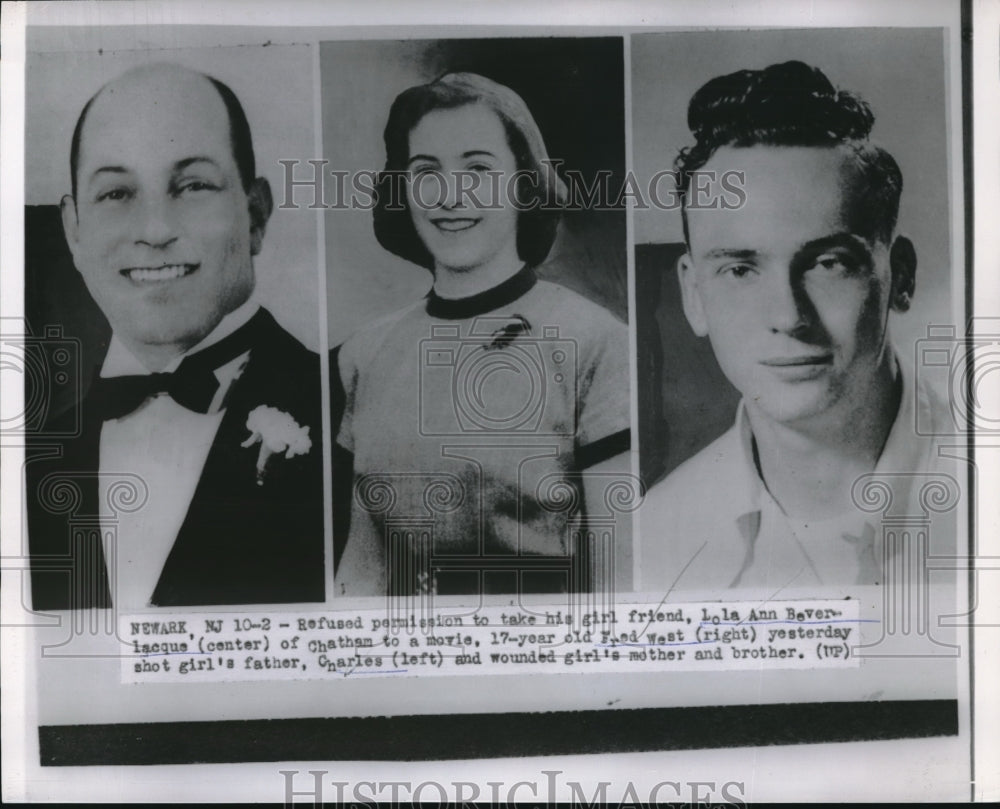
[277, 433]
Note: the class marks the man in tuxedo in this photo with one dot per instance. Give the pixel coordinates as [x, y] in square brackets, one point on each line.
[196, 478]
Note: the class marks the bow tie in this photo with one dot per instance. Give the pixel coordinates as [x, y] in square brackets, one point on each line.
[193, 385]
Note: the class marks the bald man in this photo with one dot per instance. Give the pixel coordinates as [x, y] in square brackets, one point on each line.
[204, 406]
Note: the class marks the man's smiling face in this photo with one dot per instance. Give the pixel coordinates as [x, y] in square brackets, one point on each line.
[161, 226]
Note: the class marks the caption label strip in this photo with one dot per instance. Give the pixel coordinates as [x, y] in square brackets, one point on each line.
[199, 647]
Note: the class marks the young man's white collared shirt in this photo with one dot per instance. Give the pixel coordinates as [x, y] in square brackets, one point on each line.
[165, 446]
[713, 525]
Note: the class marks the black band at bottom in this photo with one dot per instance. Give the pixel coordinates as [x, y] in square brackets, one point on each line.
[494, 735]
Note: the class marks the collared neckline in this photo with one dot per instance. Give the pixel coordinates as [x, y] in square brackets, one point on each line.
[122, 362]
[488, 300]
[900, 453]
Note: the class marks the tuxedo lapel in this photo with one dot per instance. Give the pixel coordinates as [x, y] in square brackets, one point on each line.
[247, 543]
[240, 542]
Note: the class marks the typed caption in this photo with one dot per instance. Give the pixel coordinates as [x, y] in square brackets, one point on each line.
[710, 636]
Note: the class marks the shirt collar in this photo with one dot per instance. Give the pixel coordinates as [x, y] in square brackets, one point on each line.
[746, 490]
[745, 497]
[119, 361]
[902, 452]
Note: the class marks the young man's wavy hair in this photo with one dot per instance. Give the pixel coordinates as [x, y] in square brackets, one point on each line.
[540, 191]
[792, 104]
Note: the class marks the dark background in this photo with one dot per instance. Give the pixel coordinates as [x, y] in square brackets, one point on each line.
[685, 401]
[55, 295]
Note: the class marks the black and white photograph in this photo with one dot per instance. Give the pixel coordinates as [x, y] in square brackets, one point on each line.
[485, 365]
[795, 307]
[797, 311]
[185, 466]
[505, 403]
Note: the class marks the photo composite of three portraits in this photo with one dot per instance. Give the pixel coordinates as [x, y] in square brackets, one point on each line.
[578, 337]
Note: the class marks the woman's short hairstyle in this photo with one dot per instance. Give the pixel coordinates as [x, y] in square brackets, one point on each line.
[540, 191]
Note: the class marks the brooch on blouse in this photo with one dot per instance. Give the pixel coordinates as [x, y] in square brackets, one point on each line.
[505, 336]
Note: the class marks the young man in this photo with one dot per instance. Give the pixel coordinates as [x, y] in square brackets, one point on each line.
[794, 290]
[187, 490]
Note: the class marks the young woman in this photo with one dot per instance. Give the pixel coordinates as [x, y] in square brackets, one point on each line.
[484, 420]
